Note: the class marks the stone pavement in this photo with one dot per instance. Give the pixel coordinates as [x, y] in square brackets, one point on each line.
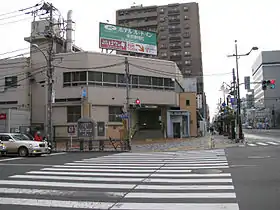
[182, 144]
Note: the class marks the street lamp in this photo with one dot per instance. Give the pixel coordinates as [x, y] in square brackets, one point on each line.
[237, 56]
[49, 94]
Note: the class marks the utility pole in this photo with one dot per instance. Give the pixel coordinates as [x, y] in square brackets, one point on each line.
[50, 77]
[235, 99]
[128, 102]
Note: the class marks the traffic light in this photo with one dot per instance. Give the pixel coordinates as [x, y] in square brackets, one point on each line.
[272, 83]
[268, 83]
[137, 102]
[264, 85]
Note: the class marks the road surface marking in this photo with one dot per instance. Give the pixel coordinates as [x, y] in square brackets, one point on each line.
[135, 175]
[273, 143]
[101, 179]
[169, 164]
[252, 145]
[177, 206]
[99, 170]
[124, 166]
[153, 180]
[260, 143]
[180, 195]
[24, 165]
[67, 184]
[53, 154]
[8, 159]
[149, 162]
[184, 187]
[55, 203]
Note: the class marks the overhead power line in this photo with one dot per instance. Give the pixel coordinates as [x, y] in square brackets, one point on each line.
[95, 67]
[21, 10]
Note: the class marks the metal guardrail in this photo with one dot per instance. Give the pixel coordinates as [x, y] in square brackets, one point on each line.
[66, 145]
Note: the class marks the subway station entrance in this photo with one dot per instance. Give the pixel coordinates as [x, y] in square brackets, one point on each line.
[148, 122]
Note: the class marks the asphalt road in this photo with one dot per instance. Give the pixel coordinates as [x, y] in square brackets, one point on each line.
[256, 176]
[248, 178]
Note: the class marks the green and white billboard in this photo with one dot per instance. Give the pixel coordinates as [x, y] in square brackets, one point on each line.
[127, 39]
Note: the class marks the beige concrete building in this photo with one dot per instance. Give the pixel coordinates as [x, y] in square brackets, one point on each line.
[156, 83]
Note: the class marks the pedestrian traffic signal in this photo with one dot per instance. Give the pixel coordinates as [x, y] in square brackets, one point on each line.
[137, 101]
[268, 83]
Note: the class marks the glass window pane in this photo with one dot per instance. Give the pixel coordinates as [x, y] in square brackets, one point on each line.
[95, 76]
[168, 82]
[67, 77]
[143, 80]
[109, 77]
[135, 79]
[157, 81]
[121, 78]
[83, 76]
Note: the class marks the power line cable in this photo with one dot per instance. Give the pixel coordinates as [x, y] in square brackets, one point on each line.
[96, 67]
[41, 69]
[21, 10]
[173, 73]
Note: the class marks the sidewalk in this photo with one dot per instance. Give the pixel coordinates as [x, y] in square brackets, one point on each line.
[199, 143]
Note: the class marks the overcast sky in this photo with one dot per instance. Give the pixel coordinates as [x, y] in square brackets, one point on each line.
[252, 23]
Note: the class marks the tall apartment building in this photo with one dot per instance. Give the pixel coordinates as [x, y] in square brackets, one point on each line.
[178, 30]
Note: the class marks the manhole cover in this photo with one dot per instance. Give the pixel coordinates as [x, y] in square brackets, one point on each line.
[258, 157]
[207, 171]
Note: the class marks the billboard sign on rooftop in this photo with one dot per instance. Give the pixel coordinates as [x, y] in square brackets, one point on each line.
[114, 37]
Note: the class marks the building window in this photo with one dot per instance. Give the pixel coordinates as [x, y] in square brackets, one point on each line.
[187, 35]
[161, 11]
[114, 112]
[163, 37]
[188, 103]
[187, 44]
[11, 82]
[186, 17]
[144, 81]
[121, 78]
[186, 9]
[168, 83]
[157, 81]
[162, 19]
[74, 78]
[109, 79]
[73, 113]
[134, 81]
[163, 54]
[187, 53]
[95, 78]
[188, 62]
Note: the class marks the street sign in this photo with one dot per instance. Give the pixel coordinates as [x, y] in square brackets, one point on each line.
[71, 129]
[84, 93]
[85, 129]
[247, 83]
[122, 116]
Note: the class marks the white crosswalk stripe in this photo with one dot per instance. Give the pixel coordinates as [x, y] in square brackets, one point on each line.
[269, 143]
[197, 180]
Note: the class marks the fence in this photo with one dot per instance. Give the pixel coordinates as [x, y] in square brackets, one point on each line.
[66, 139]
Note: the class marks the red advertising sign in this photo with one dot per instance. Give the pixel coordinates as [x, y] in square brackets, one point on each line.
[3, 116]
[112, 44]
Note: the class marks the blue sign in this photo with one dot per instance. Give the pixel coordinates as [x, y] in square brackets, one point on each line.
[224, 104]
[122, 116]
[84, 93]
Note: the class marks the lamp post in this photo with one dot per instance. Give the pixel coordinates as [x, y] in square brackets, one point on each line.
[238, 116]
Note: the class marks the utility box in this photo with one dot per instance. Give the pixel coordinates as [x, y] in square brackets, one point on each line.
[11, 120]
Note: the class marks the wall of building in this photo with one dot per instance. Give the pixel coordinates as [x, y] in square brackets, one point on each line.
[14, 94]
[191, 107]
[267, 67]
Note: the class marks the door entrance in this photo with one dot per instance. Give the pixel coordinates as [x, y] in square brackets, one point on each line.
[176, 130]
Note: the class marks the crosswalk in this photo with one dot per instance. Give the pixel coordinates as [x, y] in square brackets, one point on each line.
[268, 143]
[196, 180]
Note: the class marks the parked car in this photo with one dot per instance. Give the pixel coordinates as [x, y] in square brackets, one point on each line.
[17, 143]
[3, 149]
